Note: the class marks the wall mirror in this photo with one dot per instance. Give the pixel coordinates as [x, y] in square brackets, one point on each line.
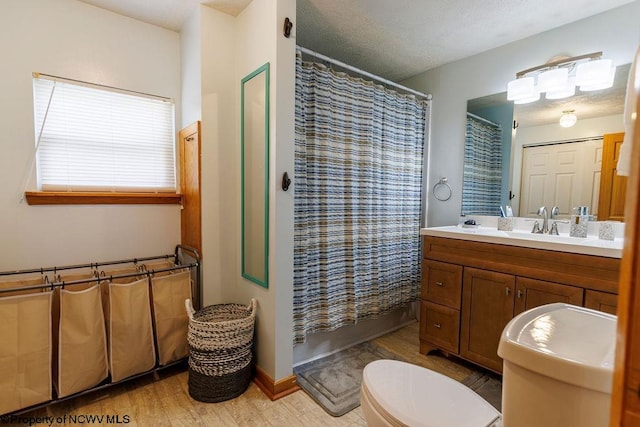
[505, 143]
[254, 135]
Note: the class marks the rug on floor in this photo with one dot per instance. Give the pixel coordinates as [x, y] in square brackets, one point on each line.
[334, 381]
[488, 386]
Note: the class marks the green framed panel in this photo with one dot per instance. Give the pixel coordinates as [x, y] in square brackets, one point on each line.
[254, 137]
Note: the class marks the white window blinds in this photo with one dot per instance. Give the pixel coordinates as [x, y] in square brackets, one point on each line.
[94, 139]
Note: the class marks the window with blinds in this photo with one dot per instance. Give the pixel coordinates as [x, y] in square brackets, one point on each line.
[91, 138]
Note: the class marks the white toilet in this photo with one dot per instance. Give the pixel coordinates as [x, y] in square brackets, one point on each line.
[558, 371]
[558, 367]
[395, 393]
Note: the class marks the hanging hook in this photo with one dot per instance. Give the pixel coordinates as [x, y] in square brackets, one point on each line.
[46, 281]
[286, 181]
[288, 25]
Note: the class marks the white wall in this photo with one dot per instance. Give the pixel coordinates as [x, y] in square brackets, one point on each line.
[615, 32]
[584, 128]
[191, 67]
[260, 40]
[283, 120]
[72, 39]
[220, 50]
[220, 157]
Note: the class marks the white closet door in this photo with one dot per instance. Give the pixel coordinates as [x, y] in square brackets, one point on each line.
[564, 175]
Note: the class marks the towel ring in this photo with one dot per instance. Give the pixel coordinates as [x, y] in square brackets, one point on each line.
[440, 184]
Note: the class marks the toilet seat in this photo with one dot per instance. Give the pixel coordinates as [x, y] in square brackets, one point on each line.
[396, 393]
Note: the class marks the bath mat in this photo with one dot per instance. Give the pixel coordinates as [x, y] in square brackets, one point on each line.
[334, 381]
[488, 386]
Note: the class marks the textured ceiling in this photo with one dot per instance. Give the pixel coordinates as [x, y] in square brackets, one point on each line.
[397, 39]
[169, 14]
[401, 38]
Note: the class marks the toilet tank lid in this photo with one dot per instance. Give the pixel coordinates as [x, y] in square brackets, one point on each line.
[566, 342]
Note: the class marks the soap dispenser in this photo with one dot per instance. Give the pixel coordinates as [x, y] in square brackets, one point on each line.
[579, 222]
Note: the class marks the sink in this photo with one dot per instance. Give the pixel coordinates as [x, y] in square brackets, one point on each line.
[590, 245]
[522, 234]
[549, 237]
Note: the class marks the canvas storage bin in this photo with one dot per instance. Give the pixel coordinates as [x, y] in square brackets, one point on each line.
[171, 323]
[25, 350]
[130, 330]
[220, 350]
[11, 284]
[140, 268]
[81, 340]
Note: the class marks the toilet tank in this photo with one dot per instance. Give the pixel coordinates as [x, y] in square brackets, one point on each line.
[557, 367]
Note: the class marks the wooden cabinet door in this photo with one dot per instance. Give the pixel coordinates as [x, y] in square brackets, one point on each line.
[487, 307]
[191, 213]
[612, 186]
[532, 293]
[601, 301]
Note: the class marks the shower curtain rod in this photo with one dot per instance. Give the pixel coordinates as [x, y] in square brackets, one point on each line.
[482, 119]
[362, 72]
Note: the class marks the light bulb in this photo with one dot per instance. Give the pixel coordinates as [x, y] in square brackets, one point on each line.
[553, 80]
[568, 119]
[594, 73]
[521, 89]
[565, 92]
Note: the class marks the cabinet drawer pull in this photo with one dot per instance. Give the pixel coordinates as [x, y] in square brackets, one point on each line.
[439, 284]
[507, 291]
[437, 325]
[519, 294]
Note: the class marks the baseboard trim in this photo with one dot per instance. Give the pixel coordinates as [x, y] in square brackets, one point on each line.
[275, 389]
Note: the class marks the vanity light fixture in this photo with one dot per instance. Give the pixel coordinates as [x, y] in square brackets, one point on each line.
[568, 119]
[559, 77]
[565, 92]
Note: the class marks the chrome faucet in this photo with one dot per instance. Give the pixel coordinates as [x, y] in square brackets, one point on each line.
[552, 215]
[545, 219]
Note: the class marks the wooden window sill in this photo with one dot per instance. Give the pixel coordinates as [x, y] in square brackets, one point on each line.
[91, 198]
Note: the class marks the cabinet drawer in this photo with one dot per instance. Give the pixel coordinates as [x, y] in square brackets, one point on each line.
[442, 283]
[440, 325]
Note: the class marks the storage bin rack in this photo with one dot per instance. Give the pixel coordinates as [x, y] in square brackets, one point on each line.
[184, 257]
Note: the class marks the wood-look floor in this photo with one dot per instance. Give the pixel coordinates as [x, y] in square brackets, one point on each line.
[162, 399]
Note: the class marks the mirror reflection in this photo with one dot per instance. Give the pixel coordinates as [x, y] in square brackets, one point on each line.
[520, 155]
[255, 175]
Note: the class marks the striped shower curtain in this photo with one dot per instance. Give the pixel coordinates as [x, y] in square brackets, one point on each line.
[358, 186]
[481, 185]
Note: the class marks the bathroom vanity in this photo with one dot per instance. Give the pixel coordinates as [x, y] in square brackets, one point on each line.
[475, 281]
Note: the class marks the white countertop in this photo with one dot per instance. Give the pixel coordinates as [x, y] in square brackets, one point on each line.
[590, 245]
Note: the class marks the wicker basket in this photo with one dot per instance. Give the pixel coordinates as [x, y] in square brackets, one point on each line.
[221, 350]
